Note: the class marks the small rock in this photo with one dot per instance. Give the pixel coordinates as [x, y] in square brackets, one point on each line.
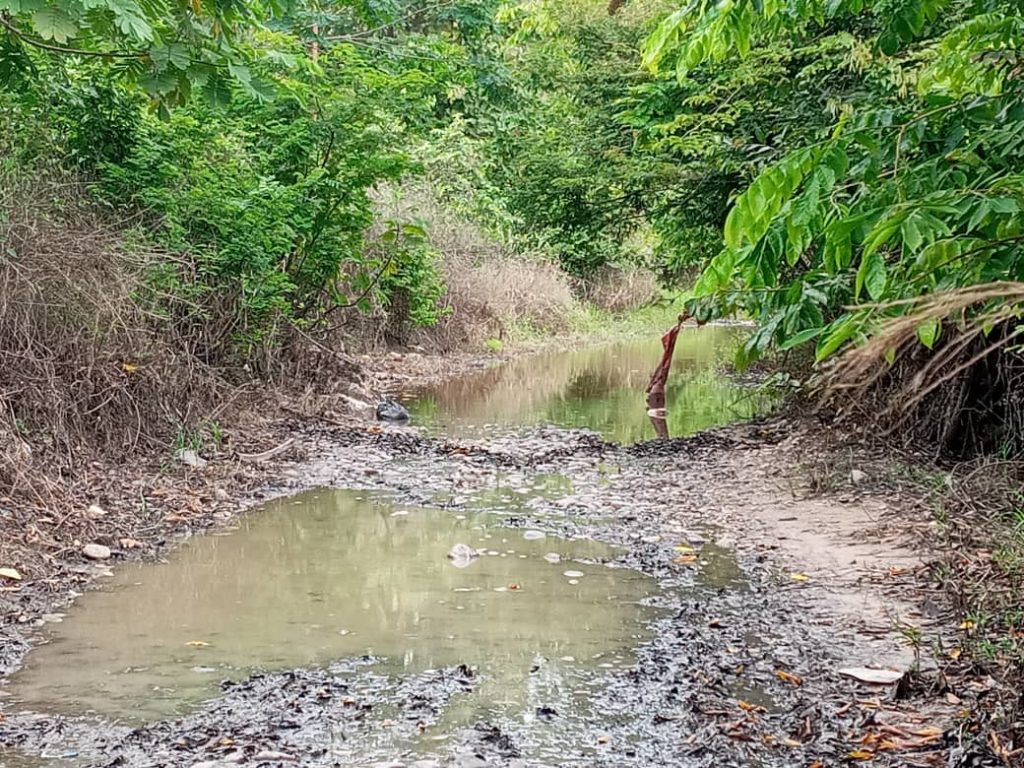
[96, 551]
[468, 761]
[52, 618]
[95, 512]
[462, 555]
[269, 754]
[872, 676]
[190, 457]
[857, 476]
[220, 494]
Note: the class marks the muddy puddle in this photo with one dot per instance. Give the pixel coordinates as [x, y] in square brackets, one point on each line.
[599, 388]
[333, 574]
[351, 595]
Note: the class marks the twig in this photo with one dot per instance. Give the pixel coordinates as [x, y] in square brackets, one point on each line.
[256, 457]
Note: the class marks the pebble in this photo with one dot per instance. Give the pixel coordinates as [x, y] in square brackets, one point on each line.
[270, 754]
[468, 761]
[96, 551]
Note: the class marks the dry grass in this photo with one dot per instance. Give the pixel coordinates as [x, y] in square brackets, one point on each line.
[963, 396]
[80, 359]
[488, 289]
[619, 290]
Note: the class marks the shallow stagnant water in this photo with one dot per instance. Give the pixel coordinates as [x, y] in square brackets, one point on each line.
[334, 574]
[330, 575]
[599, 388]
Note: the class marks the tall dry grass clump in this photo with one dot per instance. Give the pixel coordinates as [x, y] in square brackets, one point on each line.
[488, 288]
[82, 363]
[619, 289]
[962, 397]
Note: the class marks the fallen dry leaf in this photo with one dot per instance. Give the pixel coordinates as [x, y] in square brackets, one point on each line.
[789, 677]
[872, 676]
[10, 573]
[861, 754]
[796, 576]
[683, 548]
[746, 706]
[685, 560]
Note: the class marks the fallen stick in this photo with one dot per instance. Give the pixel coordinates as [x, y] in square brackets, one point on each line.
[255, 457]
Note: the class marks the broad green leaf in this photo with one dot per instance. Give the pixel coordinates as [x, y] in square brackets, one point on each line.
[53, 23]
[871, 275]
[837, 335]
[928, 332]
[801, 338]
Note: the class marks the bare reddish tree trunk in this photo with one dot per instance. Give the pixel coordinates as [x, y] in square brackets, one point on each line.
[656, 386]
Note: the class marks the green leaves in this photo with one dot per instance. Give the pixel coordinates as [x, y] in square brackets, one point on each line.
[54, 23]
[755, 209]
[918, 188]
[871, 275]
[164, 49]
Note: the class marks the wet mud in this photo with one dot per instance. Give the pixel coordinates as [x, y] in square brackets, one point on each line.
[740, 666]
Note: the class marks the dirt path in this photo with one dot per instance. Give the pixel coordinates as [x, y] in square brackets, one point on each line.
[769, 590]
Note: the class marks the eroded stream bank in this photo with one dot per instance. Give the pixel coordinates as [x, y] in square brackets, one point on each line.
[700, 607]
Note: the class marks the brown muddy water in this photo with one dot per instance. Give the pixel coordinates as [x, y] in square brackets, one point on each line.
[599, 388]
[333, 574]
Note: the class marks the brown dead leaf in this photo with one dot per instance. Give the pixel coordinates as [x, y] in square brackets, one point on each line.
[685, 560]
[746, 706]
[789, 677]
[861, 754]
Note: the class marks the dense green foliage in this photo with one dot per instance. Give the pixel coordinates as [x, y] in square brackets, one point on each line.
[903, 178]
[805, 156]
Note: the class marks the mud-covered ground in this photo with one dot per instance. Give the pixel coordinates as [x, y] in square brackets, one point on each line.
[769, 589]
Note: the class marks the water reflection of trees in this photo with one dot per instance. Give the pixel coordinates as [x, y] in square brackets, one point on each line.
[601, 388]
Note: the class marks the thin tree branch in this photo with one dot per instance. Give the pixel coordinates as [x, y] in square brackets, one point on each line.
[6, 22]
